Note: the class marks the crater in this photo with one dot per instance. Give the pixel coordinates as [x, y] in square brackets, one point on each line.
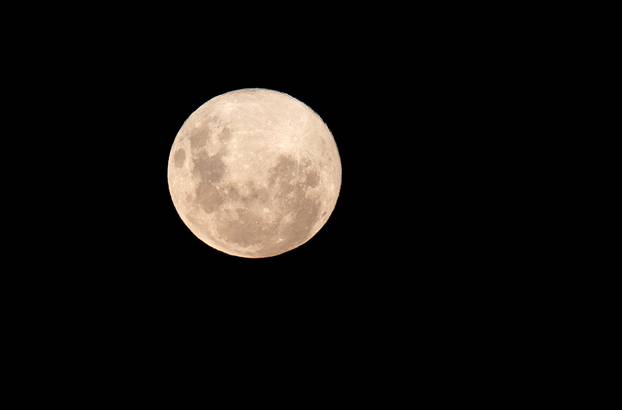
[179, 158]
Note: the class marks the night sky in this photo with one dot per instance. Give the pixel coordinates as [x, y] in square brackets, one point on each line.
[418, 240]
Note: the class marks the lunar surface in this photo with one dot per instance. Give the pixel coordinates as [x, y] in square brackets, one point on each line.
[254, 173]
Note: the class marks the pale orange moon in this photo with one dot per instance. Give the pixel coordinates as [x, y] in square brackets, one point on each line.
[254, 173]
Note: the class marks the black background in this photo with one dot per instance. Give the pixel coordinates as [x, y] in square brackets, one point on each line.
[418, 251]
[415, 109]
[441, 272]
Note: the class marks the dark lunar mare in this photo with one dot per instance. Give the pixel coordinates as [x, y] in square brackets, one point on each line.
[251, 228]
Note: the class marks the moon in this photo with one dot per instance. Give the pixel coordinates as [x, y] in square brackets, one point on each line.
[254, 173]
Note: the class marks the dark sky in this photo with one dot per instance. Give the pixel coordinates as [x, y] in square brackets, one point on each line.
[406, 125]
[412, 110]
[419, 235]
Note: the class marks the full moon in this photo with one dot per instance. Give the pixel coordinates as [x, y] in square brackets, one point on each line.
[254, 173]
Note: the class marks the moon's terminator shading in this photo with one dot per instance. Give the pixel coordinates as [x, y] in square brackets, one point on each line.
[254, 173]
